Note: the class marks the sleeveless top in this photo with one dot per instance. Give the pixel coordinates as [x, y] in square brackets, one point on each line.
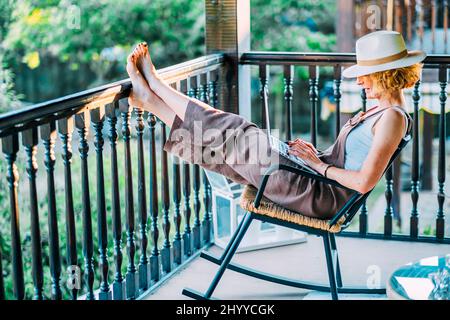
[359, 140]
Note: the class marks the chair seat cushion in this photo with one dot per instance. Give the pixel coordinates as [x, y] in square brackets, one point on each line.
[273, 210]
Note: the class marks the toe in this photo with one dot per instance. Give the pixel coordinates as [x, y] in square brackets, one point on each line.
[140, 48]
[131, 65]
[130, 58]
[145, 48]
[129, 61]
[137, 48]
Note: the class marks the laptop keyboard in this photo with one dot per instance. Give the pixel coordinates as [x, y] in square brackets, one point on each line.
[283, 149]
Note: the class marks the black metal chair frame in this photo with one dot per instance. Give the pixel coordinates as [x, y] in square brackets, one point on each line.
[348, 211]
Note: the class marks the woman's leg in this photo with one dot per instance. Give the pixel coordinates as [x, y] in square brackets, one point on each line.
[142, 97]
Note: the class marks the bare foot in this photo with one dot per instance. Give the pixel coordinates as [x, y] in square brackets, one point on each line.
[140, 96]
[145, 64]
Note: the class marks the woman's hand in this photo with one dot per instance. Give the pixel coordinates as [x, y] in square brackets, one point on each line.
[298, 140]
[307, 152]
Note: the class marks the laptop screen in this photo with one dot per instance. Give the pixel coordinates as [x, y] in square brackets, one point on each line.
[266, 111]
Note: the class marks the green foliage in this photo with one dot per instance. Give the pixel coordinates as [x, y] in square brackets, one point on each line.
[98, 35]
[282, 25]
[6, 9]
[289, 25]
[101, 33]
[428, 230]
[8, 97]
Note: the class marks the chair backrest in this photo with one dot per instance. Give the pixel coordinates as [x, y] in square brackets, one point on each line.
[352, 208]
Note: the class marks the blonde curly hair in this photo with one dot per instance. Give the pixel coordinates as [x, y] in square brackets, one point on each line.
[400, 78]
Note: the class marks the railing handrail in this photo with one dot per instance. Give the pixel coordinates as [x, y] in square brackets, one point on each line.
[320, 58]
[91, 98]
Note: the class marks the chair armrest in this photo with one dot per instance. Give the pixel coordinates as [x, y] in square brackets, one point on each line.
[302, 172]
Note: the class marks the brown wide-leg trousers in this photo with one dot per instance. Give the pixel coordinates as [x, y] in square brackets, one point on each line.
[228, 144]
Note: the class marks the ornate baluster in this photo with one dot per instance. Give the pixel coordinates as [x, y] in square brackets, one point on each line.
[337, 96]
[206, 223]
[440, 223]
[197, 207]
[263, 92]
[388, 212]
[213, 101]
[142, 203]
[288, 93]
[193, 87]
[153, 200]
[176, 189]
[10, 147]
[187, 237]
[65, 129]
[125, 112]
[176, 213]
[212, 88]
[118, 285]
[97, 118]
[48, 135]
[203, 95]
[363, 212]
[82, 125]
[166, 250]
[415, 186]
[313, 99]
[203, 90]
[192, 92]
[30, 141]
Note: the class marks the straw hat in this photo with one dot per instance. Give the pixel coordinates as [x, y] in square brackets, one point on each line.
[380, 51]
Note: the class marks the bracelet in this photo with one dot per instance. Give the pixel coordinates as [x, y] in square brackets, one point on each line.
[326, 169]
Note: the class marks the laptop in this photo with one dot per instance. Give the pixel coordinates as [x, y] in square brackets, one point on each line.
[281, 147]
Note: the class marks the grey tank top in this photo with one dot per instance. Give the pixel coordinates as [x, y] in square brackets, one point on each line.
[359, 140]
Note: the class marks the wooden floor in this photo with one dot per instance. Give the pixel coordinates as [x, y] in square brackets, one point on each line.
[361, 260]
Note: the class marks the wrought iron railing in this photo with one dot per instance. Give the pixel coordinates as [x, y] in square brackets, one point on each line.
[314, 61]
[147, 266]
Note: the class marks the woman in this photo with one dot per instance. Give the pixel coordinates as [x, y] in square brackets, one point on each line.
[357, 158]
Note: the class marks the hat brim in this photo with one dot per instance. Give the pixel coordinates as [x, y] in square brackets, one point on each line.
[413, 57]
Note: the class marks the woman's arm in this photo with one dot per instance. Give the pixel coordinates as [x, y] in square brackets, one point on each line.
[388, 133]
